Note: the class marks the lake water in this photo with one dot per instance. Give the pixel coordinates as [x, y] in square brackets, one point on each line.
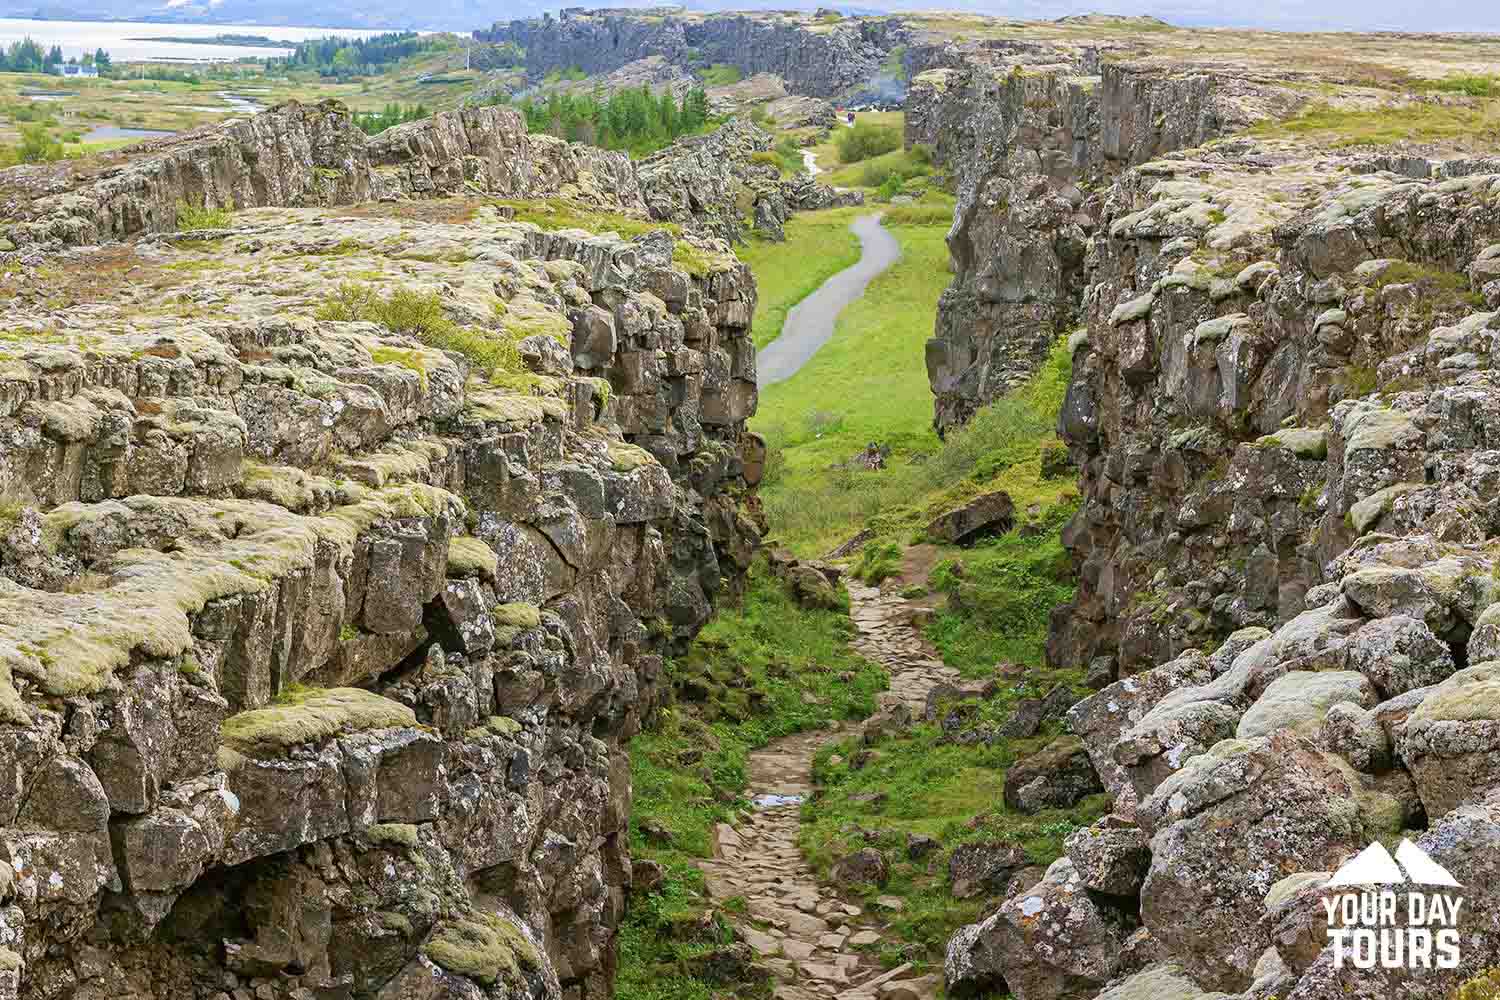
[121, 38]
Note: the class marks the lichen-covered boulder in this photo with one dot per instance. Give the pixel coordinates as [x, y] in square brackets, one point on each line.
[1160, 982]
[1227, 826]
[1052, 942]
[1300, 701]
[1398, 654]
[1100, 718]
[1451, 742]
[1110, 856]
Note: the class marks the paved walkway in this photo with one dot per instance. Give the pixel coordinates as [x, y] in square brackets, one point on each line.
[817, 944]
[809, 324]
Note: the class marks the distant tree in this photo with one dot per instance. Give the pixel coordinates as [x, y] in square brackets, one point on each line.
[54, 58]
[101, 60]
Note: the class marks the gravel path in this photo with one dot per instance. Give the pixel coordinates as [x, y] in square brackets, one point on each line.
[817, 944]
[809, 324]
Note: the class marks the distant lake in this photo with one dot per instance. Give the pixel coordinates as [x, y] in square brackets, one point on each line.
[121, 38]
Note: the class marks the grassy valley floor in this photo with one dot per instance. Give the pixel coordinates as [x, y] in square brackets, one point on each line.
[989, 609]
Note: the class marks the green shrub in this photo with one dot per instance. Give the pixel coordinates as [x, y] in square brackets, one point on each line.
[494, 353]
[865, 140]
[1471, 85]
[878, 561]
[191, 217]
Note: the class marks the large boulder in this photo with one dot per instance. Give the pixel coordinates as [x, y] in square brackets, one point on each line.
[1228, 826]
[984, 869]
[1451, 743]
[1100, 719]
[1110, 856]
[1399, 654]
[1301, 700]
[1052, 942]
[1160, 982]
[1189, 721]
[1466, 843]
[1056, 777]
[991, 513]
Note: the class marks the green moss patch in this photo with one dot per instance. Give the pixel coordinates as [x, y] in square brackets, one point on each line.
[310, 716]
[485, 947]
[518, 615]
[469, 556]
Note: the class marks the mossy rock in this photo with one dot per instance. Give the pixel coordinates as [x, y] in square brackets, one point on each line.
[1471, 695]
[311, 716]
[498, 725]
[468, 556]
[485, 947]
[392, 834]
[518, 615]
[628, 457]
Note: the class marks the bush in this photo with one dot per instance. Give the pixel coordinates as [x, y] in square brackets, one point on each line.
[878, 561]
[889, 188]
[200, 216]
[865, 140]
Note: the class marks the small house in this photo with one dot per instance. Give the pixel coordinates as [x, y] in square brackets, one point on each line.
[75, 70]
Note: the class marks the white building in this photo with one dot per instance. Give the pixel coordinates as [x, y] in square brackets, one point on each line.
[73, 69]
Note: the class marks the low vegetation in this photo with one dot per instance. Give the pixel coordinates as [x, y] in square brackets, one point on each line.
[493, 353]
[865, 140]
[760, 671]
[720, 75]
[944, 785]
[1472, 124]
[192, 217]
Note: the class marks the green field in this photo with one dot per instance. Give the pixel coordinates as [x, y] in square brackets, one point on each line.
[818, 245]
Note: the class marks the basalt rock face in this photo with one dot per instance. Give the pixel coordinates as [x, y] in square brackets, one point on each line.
[319, 644]
[813, 58]
[304, 155]
[1028, 128]
[1286, 417]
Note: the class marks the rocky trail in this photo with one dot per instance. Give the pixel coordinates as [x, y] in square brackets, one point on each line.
[809, 325]
[816, 943]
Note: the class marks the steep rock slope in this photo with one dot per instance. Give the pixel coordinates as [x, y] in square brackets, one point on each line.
[813, 56]
[339, 550]
[1284, 412]
[1029, 128]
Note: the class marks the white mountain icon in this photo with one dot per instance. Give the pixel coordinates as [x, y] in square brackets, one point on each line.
[1375, 866]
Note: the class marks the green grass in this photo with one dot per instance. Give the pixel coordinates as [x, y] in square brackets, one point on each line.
[865, 140]
[191, 217]
[936, 788]
[1476, 123]
[873, 172]
[818, 245]
[1000, 596]
[1470, 85]
[721, 75]
[763, 670]
[869, 383]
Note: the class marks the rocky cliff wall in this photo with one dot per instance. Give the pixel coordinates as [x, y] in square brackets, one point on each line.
[1285, 413]
[814, 59]
[325, 611]
[1029, 130]
[304, 155]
